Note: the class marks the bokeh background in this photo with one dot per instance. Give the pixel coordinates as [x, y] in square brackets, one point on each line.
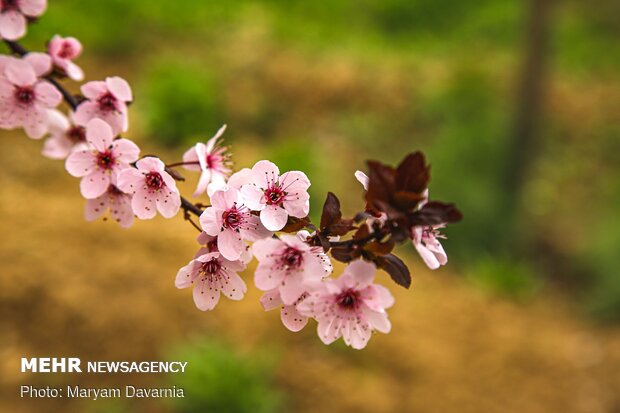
[517, 105]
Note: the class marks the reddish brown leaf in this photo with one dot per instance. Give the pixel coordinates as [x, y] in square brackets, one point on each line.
[396, 268]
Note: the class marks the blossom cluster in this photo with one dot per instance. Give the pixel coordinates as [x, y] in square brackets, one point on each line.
[254, 213]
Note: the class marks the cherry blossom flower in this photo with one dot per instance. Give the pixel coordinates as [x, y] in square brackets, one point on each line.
[210, 159]
[275, 196]
[289, 265]
[351, 306]
[426, 242]
[212, 274]
[106, 100]
[118, 202]
[14, 14]
[231, 221]
[291, 318]
[151, 187]
[24, 98]
[63, 50]
[64, 135]
[100, 160]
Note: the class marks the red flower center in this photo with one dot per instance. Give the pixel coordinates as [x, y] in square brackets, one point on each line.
[7, 5]
[348, 299]
[76, 134]
[292, 258]
[66, 51]
[107, 102]
[211, 267]
[105, 160]
[275, 195]
[24, 95]
[154, 180]
[232, 218]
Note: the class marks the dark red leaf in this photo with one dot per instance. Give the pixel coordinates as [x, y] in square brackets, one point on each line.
[331, 211]
[295, 224]
[396, 268]
[435, 213]
[412, 175]
[345, 253]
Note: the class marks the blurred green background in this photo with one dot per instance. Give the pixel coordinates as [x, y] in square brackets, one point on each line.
[516, 104]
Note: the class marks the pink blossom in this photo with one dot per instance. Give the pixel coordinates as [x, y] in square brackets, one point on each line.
[289, 265]
[118, 202]
[63, 50]
[351, 306]
[14, 14]
[291, 318]
[151, 187]
[24, 98]
[106, 100]
[100, 160]
[231, 221]
[64, 135]
[210, 159]
[275, 196]
[426, 242]
[212, 274]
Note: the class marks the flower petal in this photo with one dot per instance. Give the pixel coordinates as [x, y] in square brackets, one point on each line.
[119, 88]
[12, 25]
[265, 173]
[230, 245]
[95, 184]
[273, 217]
[292, 319]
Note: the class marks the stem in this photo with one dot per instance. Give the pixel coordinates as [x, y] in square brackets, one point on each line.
[172, 165]
[188, 206]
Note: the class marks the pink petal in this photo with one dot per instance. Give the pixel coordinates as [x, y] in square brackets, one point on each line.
[150, 164]
[203, 182]
[291, 289]
[94, 208]
[230, 245]
[265, 278]
[271, 299]
[95, 184]
[209, 221]
[119, 88]
[211, 142]
[125, 150]
[273, 217]
[40, 62]
[297, 207]
[378, 320]
[264, 173]
[35, 122]
[32, 8]
[85, 112]
[427, 256]
[143, 204]
[92, 90]
[80, 163]
[240, 178]
[294, 181]
[74, 71]
[201, 155]
[265, 247]
[225, 199]
[205, 298]
[234, 288]
[292, 319]
[130, 180]
[362, 178]
[185, 275]
[168, 203]
[12, 25]
[99, 134]
[364, 272]
[20, 73]
[57, 148]
[191, 156]
[327, 330]
[47, 94]
[253, 197]
[120, 210]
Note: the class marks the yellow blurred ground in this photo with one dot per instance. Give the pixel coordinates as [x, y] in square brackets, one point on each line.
[93, 290]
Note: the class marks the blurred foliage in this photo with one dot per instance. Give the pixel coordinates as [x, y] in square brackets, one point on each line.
[218, 379]
[320, 86]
